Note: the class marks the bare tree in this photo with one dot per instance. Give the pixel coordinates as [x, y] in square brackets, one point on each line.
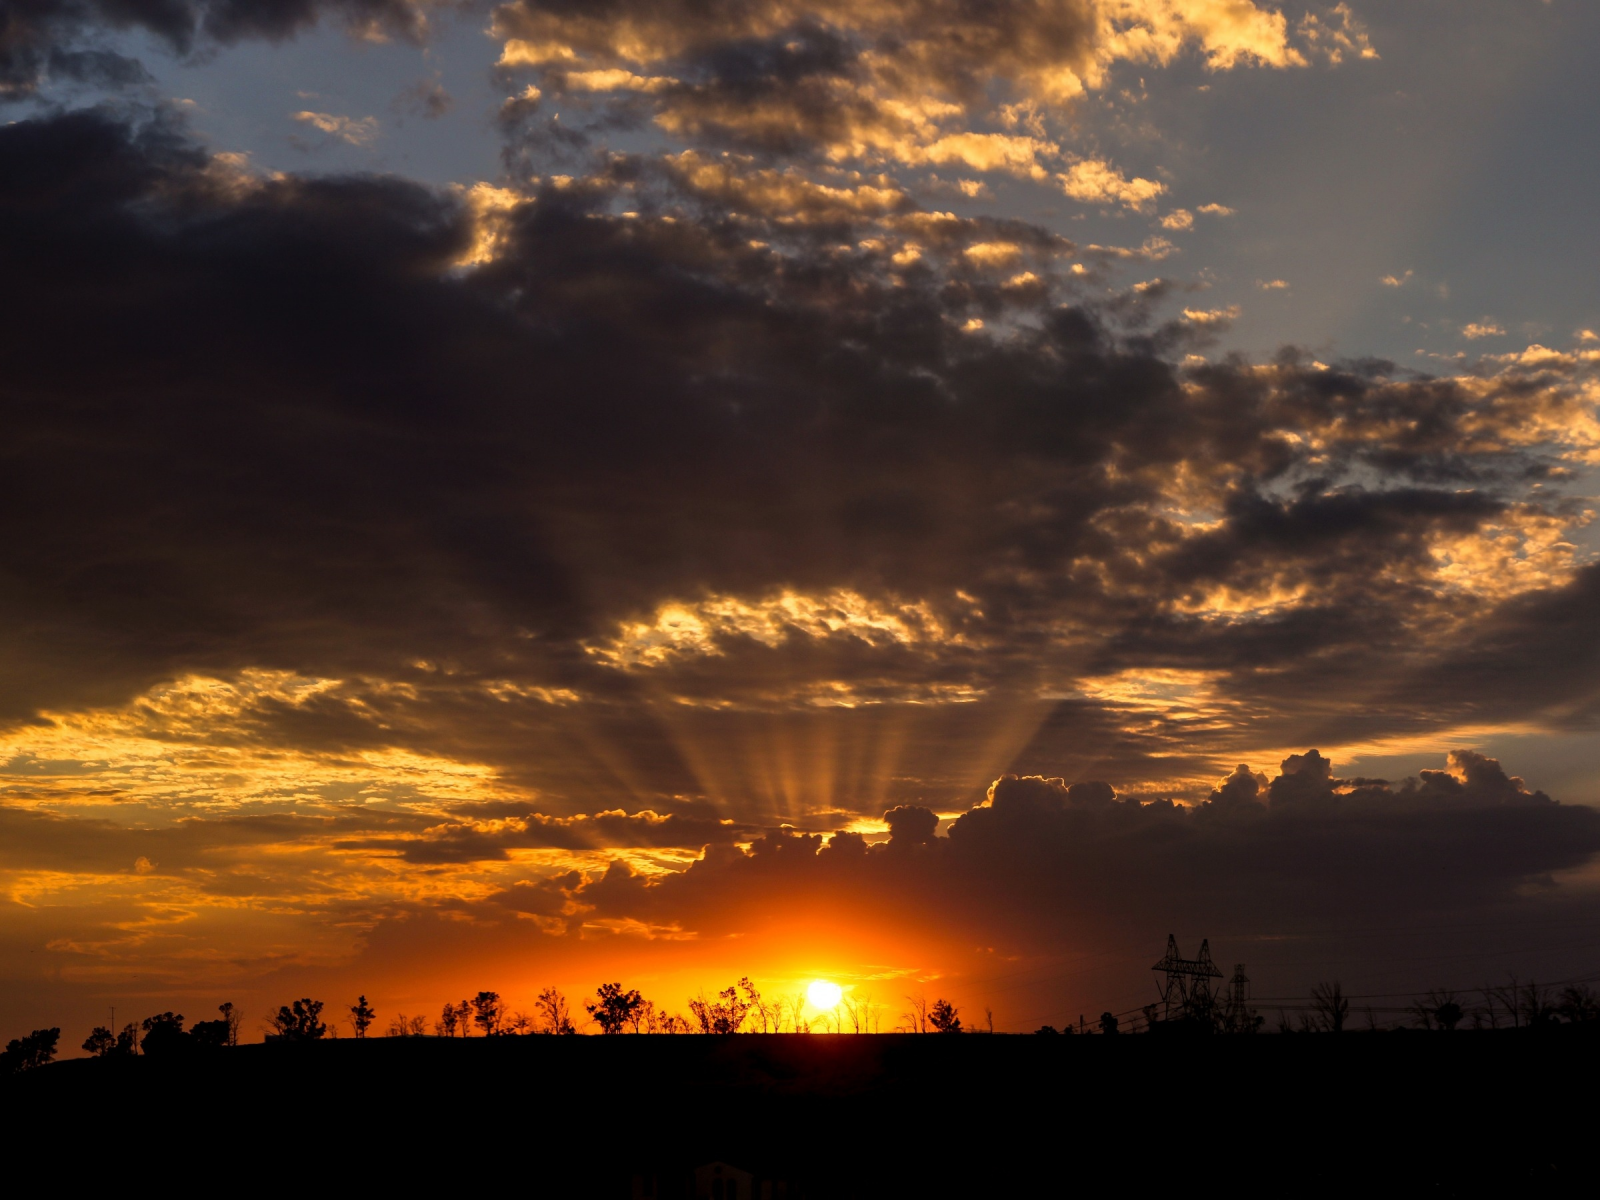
[1331, 1007]
[1580, 1004]
[464, 1018]
[446, 1026]
[520, 1023]
[915, 1018]
[1538, 1006]
[554, 1016]
[233, 1017]
[1504, 1001]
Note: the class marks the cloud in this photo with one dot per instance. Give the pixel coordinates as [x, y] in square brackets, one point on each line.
[358, 131]
[1180, 218]
[1481, 329]
[914, 82]
[1212, 317]
[1215, 210]
[411, 556]
[1039, 864]
[1395, 281]
[55, 38]
[833, 499]
[1096, 182]
[1335, 35]
[1273, 285]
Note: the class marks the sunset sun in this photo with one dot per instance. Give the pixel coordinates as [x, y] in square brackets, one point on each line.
[824, 995]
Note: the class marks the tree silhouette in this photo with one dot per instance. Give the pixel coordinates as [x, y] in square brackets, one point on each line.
[233, 1017]
[488, 1010]
[163, 1034]
[614, 1008]
[101, 1042]
[553, 1013]
[726, 1013]
[446, 1026]
[916, 1016]
[1439, 1008]
[1108, 1023]
[1580, 1004]
[297, 1023]
[25, 1054]
[944, 1017]
[1331, 1007]
[362, 1016]
[464, 1018]
[1538, 1007]
[211, 1035]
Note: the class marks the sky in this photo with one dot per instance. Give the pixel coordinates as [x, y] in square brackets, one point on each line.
[929, 494]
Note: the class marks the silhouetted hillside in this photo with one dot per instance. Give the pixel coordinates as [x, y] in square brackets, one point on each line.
[890, 1115]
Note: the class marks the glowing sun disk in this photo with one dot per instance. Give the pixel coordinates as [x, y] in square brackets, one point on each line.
[823, 995]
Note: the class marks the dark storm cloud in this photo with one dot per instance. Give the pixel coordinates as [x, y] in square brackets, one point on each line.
[276, 423]
[53, 38]
[1042, 863]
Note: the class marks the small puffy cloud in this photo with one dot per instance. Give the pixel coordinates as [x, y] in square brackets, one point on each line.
[1273, 285]
[358, 131]
[1215, 210]
[1482, 329]
[1095, 181]
[1394, 281]
[1588, 335]
[1178, 218]
[1212, 318]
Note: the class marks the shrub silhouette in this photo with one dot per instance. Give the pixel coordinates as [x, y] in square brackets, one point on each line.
[24, 1054]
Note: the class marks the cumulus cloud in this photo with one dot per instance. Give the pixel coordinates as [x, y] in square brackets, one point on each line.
[1039, 864]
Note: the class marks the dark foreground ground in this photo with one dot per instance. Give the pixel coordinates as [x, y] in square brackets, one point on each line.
[1507, 1113]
